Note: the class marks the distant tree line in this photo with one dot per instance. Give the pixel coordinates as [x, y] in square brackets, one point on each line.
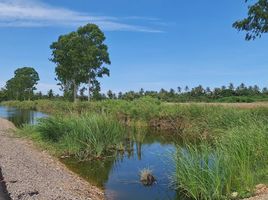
[229, 93]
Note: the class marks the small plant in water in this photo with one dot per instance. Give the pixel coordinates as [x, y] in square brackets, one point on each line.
[146, 177]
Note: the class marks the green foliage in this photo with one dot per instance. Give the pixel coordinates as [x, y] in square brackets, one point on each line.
[50, 94]
[257, 21]
[22, 85]
[234, 99]
[80, 57]
[3, 95]
[229, 94]
[53, 128]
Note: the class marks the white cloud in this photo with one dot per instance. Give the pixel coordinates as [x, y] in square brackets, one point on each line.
[27, 13]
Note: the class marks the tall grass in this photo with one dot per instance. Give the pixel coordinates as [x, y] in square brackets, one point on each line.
[148, 111]
[85, 136]
[234, 162]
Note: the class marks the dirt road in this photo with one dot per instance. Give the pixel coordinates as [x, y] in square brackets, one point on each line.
[32, 174]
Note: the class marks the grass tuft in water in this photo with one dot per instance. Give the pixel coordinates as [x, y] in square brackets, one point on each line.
[146, 177]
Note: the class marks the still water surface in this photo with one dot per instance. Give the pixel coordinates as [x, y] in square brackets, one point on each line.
[19, 116]
[118, 174]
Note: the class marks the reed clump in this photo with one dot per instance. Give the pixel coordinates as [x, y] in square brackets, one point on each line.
[234, 162]
[85, 136]
[146, 177]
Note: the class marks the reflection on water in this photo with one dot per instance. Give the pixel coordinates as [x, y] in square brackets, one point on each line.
[118, 175]
[20, 117]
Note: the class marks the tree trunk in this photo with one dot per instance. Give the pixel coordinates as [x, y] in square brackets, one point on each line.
[89, 94]
[75, 91]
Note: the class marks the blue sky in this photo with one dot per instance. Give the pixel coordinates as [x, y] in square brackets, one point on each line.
[153, 44]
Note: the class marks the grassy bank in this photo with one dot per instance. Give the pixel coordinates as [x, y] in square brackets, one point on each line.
[85, 136]
[231, 165]
[147, 111]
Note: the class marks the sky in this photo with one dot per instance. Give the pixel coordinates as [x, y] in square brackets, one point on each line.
[153, 44]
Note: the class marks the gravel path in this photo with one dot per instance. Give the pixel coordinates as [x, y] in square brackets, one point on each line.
[3, 193]
[31, 174]
[261, 192]
[261, 197]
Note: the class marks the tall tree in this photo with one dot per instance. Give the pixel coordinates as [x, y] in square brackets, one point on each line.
[65, 53]
[231, 86]
[171, 92]
[120, 95]
[23, 83]
[208, 90]
[80, 57]
[256, 23]
[265, 90]
[186, 89]
[82, 92]
[13, 89]
[110, 94]
[93, 55]
[39, 95]
[179, 89]
[50, 94]
[141, 92]
[3, 94]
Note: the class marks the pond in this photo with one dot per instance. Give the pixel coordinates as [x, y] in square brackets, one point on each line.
[20, 116]
[118, 175]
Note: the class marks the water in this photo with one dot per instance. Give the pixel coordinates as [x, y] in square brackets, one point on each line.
[118, 175]
[19, 116]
